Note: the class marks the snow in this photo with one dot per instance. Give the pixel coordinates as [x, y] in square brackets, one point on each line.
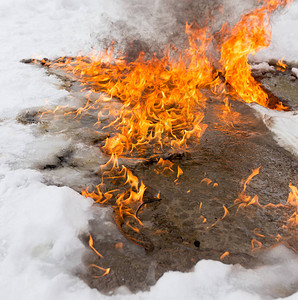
[283, 124]
[284, 43]
[262, 67]
[295, 71]
[39, 224]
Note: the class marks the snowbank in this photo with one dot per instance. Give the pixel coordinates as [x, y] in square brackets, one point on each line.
[283, 124]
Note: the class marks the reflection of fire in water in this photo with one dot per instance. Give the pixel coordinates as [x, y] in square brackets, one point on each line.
[163, 105]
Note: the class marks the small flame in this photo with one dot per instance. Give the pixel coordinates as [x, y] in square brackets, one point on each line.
[255, 245]
[163, 166]
[282, 66]
[226, 212]
[106, 271]
[207, 180]
[119, 245]
[91, 246]
[224, 255]
[179, 173]
[256, 232]
[293, 202]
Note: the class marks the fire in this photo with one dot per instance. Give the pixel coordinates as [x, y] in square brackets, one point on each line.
[244, 200]
[251, 34]
[91, 246]
[106, 271]
[281, 65]
[162, 102]
[179, 173]
[125, 203]
[256, 245]
[293, 202]
[226, 212]
[163, 166]
[224, 255]
[162, 109]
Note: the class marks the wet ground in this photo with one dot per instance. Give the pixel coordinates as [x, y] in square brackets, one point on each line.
[185, 226]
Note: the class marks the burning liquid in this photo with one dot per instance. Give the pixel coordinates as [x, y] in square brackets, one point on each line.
[163, 103]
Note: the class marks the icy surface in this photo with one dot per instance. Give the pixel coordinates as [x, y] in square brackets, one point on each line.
[39, 225]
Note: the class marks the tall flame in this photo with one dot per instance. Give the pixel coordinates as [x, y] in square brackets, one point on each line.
[250, 35]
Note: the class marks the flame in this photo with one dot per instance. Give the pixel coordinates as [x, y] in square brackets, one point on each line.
[224, 255]
[226, 212]
[252, 33]
[106, 271]
[282, 66]
[207, 180]
[126, 202]
[256, 245]
[179, 173]
[119, 245]
[293, 202]
[91, 246]
[244, 200]
[162, 102]
[162, 108]
[163, 166]
[257, 233]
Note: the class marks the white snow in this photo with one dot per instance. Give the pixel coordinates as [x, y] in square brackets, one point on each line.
[263, 66]
[39, 224]
[284, 43]
[283, 124]
[295, 71]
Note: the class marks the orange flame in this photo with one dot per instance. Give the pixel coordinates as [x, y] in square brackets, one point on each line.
[179, 173]
[163, 105]
[91, 246]
[207, 180]
[163, 166]
[255, 245]
[250, 35]
[282, 66]
[106, 271]
[224, 255]
[244, 200]
[293, 201]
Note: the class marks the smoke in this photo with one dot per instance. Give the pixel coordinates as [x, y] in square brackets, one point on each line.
[150, 25]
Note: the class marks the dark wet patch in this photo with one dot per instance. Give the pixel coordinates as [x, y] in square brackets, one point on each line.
[174, 227]
[280, 84]
[61, 160]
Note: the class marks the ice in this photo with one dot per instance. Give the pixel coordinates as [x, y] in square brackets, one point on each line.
[40, 249]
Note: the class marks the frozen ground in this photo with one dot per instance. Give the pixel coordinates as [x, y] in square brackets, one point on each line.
[39, 224]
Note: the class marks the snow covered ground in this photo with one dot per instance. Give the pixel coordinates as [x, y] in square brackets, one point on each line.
[40, 224]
